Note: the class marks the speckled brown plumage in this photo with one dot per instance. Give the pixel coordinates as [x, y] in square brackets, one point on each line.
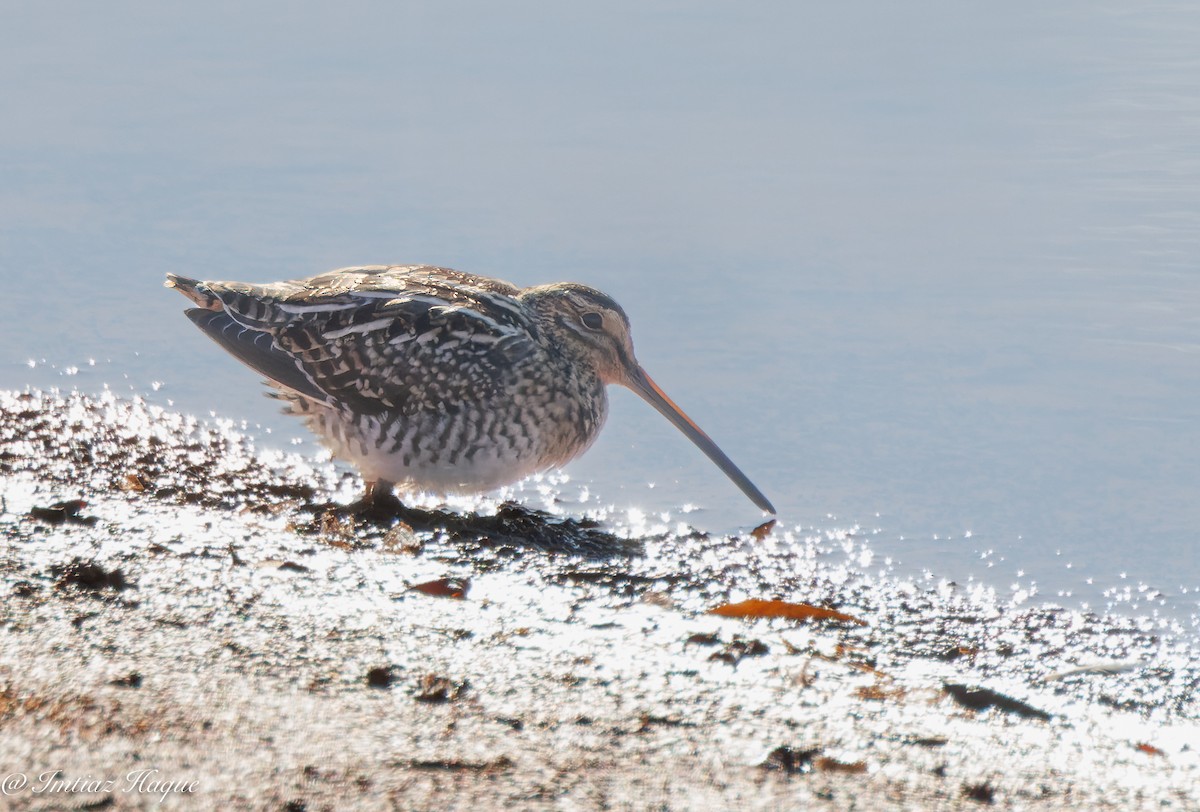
[434, 379]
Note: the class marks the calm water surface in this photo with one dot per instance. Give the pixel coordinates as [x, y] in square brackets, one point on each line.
[929, 269]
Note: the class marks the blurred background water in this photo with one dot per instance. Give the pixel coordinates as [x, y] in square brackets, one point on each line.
[928, 269]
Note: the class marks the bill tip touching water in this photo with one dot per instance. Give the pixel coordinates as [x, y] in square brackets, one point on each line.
[430, 379]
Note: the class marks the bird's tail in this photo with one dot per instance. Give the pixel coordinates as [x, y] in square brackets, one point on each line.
[195, 290]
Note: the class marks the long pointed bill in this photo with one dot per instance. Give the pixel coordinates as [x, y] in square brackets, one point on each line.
[647, 389]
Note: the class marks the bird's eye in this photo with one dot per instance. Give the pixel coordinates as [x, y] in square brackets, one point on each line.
[592, 321]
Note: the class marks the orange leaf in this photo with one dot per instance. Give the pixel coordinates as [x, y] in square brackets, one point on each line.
[1150, 750]
[132, 482]
[755, 608]
[444, 588]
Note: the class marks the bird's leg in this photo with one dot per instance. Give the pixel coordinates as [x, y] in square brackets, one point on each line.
[378, 502]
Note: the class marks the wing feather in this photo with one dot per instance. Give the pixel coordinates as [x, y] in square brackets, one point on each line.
[375, 339]
[256, 350]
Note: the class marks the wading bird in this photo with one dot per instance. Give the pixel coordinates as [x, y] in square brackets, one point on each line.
[434, 380]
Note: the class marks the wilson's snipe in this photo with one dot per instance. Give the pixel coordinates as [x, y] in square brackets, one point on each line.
[437, 380]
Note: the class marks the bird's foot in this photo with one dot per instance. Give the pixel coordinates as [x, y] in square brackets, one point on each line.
[378, 504]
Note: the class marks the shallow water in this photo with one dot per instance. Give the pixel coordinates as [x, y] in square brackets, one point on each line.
[927, 271]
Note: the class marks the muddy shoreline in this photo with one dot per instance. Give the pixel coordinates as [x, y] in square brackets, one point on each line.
[176, 601]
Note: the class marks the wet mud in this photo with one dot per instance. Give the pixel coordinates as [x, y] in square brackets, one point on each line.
[174, 600]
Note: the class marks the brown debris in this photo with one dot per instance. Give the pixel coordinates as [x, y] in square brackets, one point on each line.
[132, 483]
[703, 639]
[928, 741]
[878, 693]
[444, 588]
[832, 765]
[648, 721]
[793, 761]
[131, 680]
[381, 676]
[755, 608]
[435, 688]
[456, 765]
[790, 760]
[88, 575]
[337, 529]
[401, 538]
[65, 512]
[984, 793]
[984, 698]
[738, 648]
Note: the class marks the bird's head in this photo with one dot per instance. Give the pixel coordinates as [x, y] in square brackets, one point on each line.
[596, 332]
[593, 328]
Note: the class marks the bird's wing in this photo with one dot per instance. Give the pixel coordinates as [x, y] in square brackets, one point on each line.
[375, 339]
[257, 350]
